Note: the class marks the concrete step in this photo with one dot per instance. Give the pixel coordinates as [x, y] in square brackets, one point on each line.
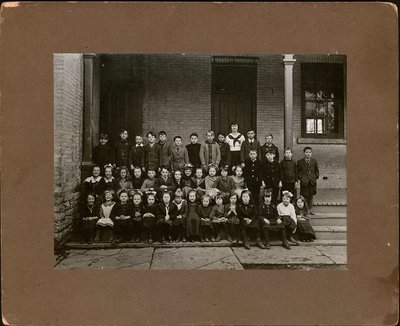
[329, 209]
[330, 232]
[328, 219]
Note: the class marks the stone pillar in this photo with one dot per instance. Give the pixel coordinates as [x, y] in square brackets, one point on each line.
[288, 61]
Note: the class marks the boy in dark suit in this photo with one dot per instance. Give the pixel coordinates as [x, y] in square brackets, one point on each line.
[268, 146]
[122, 149]
[308, 172]
[271, 174]
[250, 144]
[252, 173]
[103, 154]
[289, 172]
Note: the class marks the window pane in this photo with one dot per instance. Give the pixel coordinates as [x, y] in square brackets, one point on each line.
[310, 109]
[310, 126]
[319, 126]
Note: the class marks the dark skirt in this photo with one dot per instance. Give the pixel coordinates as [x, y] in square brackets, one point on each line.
[192, 223]
[255, 224]
[289, 224]
[179, 222]
[149, 222]
[305, 230]
[89, 224]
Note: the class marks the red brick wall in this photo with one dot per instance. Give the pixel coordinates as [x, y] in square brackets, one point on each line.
[177, 95]
[68, 129]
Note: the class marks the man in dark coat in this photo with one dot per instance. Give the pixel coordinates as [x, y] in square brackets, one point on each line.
[308, 173]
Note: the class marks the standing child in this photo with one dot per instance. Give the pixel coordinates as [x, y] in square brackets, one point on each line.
[122, 149]
[249, 222]
[269, 146]
[137, 180]
[193, 150]
[108, 181]
[233, 220]
[150, 184]
[252, 173]
[287, 214]
[288, 172]
[136, 156]
[270, 221]
[152, 153]
[304, 228]
[238, 180]
[192, 217]
[105, 225]
[251, 143]
[149, 217]
[218, 218]
[224, 150]
[92, 183]
[137, 217]
[206, 227]
[124, 180]
[224, 184]
[308, 174]
[165, 150]
[271, 173]
[121, 216]
[179, 224]
[89, 214]
[178, 154]
[166, 214]
[235, 140]
[210, 181]
[198, 183]
[103, 154]
[209, 152]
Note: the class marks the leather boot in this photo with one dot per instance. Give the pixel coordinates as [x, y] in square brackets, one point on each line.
[260, 244]
[245, 241]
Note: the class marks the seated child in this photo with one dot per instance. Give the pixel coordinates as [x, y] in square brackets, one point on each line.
[233, 219]
[91, 184]
[206, 227]
[178, 182]
[105, 223]
[187, 179]
[194, 150]
[270, 221]
[137, 217]
[149, 217]
[103, 154]
[108, 181]
[166, 214]
[192, 217]
[247, 213]
[218, 218]
[287, 214]
[304, 229]
[121, 215]
[89, 214]
[239, 184]
[224, 184]
[178, 154]
[137, 180]
[179, 224]
[124, 180]
[198, 184]
[210, 180]
[165, 182]
[209, 152]
[150, 184]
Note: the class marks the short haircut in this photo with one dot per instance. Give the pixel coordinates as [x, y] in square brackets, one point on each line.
[234, 123]
[269, 135]
[306, 148]
[253, 150]
[151, 195]
[177, 137]
[251, 129]
[122, 130]
[162, 132]
[95, 166]
[194, 134]
[151, 169]
[270, 151]
[123, 192]
[288, 149]
[151, 133]
[103, 136]
[220, 133]
[164, 168]
[210, 132]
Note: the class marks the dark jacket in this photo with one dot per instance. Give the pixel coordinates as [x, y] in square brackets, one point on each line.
[252, 172]
[136, 156]
[137, 183]
[122, 150]
[268, 211]
[264, 148]
[271, 173]
[247, 146]
[288, 171]
[308, 173]
[194, 154]
[161, 211]
[103, 154]
[103, 185]
[225, 154]
[122, 209]
[152, 156]
[165, 153]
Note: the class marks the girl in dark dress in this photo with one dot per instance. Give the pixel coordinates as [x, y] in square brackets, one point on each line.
[217, 216]
[198, 183]
[91, 184]
[166, 214]
[187, 179]
[105, 225]
[137, 218]
[90, 213]
[247, 213]
[179, 224]
[137, 180]
[178, 182]
[192, 217]
[149, 217]
[233, 219]
[206, 226]
[304, 229]
[108, 182]
[121, 215]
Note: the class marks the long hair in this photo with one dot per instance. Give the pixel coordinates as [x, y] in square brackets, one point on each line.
[305, 210]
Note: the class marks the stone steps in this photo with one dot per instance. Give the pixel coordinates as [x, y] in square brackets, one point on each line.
[328, 219]
[330, 232]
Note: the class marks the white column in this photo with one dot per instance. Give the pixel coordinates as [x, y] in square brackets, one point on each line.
[288, 61]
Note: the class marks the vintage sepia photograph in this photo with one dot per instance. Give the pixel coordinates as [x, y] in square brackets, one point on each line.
[200, 161]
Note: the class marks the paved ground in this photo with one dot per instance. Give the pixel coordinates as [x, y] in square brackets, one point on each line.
[215, 258]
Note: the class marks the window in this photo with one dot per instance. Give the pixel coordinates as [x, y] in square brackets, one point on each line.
[322, 100]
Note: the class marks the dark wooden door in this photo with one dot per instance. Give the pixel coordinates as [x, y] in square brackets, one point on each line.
[121, 107]
[234, 95]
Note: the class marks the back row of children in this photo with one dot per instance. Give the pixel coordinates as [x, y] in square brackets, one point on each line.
[249, 175]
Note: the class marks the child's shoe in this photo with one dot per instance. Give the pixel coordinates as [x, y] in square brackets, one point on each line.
[286, 246]
[212, 239]
[150, 240]
[260, 244]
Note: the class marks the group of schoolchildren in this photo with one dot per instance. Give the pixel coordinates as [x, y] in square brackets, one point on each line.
[230, 188]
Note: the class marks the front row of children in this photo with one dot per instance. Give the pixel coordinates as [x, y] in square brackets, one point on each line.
[140, 218]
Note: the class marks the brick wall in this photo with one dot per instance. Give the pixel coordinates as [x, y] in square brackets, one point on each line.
[177, 95]
[68, 129]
